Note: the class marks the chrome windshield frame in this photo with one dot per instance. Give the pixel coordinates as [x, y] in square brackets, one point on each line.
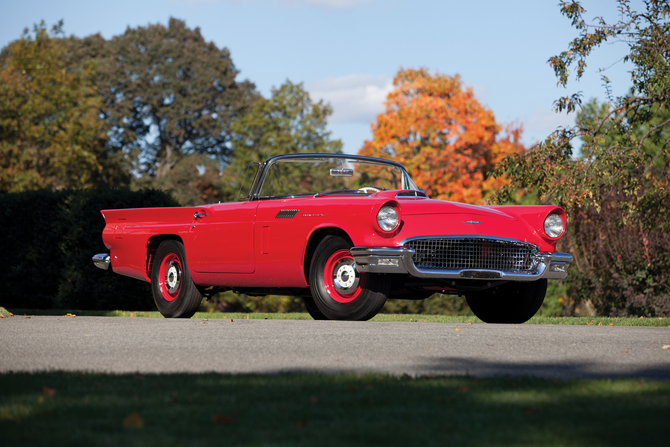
[407, 182]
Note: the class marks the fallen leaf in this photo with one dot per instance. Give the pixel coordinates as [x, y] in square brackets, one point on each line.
[624, 352]
[457, 329]
[611, 324]
[27, 318]
[133, 420]
[299, 423]
[600, 324]
[462, 389]
[665, 347]
[221, 419]
[49, 391]
[69, 315]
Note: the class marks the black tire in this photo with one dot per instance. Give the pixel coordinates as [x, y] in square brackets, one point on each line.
[511, 303]
[338, 290]
[175, 294]
[312, 308]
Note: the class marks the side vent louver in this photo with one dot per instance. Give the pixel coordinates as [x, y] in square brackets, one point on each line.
[286, 214]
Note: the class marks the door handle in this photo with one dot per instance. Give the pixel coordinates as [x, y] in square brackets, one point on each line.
[199, 215]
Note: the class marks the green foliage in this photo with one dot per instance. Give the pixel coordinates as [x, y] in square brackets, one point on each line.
[228, 302]
[167, 83]
[437, 304]
[287, 123]
[50, 134]
[616, 189]
[48, 240]
[615, 153]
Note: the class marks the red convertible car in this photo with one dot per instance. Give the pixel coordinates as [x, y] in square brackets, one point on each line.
[345, 233]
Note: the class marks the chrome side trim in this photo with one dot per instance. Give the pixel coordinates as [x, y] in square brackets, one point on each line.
[367, 259]
[101, 261]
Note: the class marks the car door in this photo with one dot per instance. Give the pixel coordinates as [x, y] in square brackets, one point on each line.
[222, 238]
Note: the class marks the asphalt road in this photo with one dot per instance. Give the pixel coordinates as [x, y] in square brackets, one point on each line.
[147, 345]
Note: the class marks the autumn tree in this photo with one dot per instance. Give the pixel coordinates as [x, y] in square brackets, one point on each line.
[449, 143]
[167, 93]
[50, 134]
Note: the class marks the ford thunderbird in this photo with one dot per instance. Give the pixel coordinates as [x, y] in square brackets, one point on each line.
[346, 233]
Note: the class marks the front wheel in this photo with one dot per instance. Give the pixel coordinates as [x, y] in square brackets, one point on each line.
[513, 303]
[175, 294]
[341, 292]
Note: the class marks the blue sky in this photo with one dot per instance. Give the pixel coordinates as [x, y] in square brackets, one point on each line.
[347, 51]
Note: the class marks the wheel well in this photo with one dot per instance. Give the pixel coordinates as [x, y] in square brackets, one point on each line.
[314, 241]
[152, 245]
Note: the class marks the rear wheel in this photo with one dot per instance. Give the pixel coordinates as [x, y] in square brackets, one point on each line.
[513, 303]
[175, 294]
[339, 291]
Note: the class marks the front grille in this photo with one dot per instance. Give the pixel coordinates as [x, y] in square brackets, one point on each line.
[473, 253]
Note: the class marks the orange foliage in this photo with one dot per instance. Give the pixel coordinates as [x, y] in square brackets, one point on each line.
[446, 139]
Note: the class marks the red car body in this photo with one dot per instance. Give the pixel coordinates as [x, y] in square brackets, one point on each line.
[268, 245]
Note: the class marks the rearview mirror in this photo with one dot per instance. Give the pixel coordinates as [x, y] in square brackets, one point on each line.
[341, 172]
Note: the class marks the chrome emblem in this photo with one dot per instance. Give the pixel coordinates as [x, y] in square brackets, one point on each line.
[471, 221]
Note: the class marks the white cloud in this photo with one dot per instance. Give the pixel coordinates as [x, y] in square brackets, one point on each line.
[355, 97]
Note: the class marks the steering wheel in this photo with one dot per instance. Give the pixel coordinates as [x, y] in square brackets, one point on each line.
[369, 189]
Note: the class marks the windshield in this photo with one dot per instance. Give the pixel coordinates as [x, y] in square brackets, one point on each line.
[310, 176]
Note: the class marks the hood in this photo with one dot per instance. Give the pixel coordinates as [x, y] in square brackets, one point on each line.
[413, 207]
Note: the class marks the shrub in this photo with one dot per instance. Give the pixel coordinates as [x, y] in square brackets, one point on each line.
[623, 264]
[48, 240]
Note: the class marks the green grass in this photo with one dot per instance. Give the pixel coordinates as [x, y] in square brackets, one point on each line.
[593, 321]
[75, 409]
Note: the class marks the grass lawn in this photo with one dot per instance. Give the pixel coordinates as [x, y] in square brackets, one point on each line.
[84, 409]
[604, 321]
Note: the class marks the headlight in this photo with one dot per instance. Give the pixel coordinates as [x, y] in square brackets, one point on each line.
[387, 218]
[553, 225]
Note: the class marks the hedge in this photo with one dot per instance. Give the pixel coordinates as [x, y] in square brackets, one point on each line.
[48, 239]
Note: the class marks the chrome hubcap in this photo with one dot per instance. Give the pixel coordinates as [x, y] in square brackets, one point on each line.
[172, 276]
[345, 278]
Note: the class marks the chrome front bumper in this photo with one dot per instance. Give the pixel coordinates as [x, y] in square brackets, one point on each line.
[399, 260]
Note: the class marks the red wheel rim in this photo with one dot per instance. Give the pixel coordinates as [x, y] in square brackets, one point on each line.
[342, 281]
[169, 277]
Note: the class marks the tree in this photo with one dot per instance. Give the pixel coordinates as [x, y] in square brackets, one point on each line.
[615, 157]
[50, 134]
[447, 140]
[616, 190]
[288, 122]
[167, 94]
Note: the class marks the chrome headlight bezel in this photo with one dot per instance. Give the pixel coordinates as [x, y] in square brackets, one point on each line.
[388, 218]
[554, 227]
